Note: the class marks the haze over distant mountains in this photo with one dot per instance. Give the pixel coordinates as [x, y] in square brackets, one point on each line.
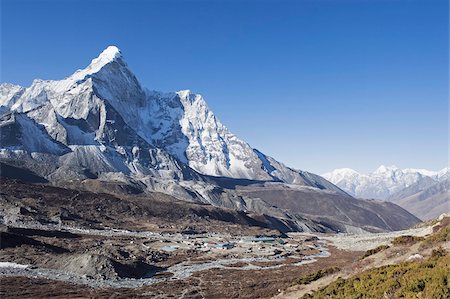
[100, 127]
[426, 202]
[384, 181]
[424, 193]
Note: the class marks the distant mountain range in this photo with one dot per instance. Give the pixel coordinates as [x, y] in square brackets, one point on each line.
[100, 126]
[425, 201]
[424, 193]
[384, 181]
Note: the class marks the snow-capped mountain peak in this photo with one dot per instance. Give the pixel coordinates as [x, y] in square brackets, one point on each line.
[383, 182]
[385, 169]
[422, 171]
[341, 174]
[105, 106]
[110, 54]
[345, 171]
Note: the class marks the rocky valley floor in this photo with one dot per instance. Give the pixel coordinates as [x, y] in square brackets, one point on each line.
[64, 243]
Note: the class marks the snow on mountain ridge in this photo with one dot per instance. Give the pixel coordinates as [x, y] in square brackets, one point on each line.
[381, 183]
[105, 105]
[100, 126]
[108, 55]
[423, 172]
[385, 169]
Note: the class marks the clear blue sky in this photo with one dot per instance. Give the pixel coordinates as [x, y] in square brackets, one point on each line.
[316, 84]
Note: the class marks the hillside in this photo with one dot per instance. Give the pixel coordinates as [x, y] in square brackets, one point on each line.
[428, 202]
[412, 264]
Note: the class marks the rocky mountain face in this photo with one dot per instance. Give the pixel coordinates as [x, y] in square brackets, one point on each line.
[104, 109]
[343, 213]
[384, 182]
[99, 126]
[426, 201]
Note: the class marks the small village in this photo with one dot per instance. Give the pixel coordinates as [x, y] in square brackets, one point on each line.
[293, 245]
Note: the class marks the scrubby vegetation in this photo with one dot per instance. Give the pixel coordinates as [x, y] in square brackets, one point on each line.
[310, 277]
[407, 240]
[375, 250]
[428, 278]
[441, 235]
[439, 252]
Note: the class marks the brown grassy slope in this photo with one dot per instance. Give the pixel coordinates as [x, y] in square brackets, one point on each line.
[422, 278]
